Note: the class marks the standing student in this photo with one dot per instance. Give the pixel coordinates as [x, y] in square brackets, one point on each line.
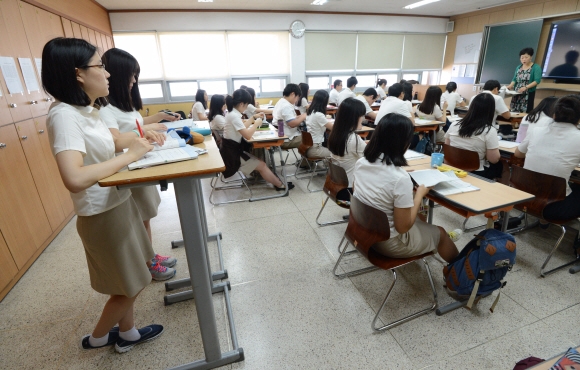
[528, 75]
[120, 116]
[349, 91]
[554, 150]
[302, 103]
[381, 86]
[475, 132]
[492, 87]
[394, 104]
[333, 96]
[217, 115]
[345, 145]
[452, 97]
[429, 109]
[317, 124]
[381, 181]
[199, 107]
[368, 98]
[112, 232]
[540, 116]
[233, 151]
[284, 110]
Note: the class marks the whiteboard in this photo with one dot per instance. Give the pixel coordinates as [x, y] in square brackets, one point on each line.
[467, 48]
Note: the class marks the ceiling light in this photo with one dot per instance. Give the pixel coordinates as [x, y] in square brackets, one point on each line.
[318, 2]
[420, 3]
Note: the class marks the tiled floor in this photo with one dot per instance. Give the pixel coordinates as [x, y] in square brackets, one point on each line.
[289, 310]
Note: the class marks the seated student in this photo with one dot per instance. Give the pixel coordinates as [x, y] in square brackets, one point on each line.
[429, 109]
[302, 104]
[492, 87]
[317, 124]
[233, 152]
[408, 90]
[199, 107]
[253, 108]
[554, 150]
[368, 98]
[345, 145]
[284, 110]
[540, 116]
[381, 86]
[381, 182]
[349, 91]
[452, 97]
[394, 104]
[216, 116]
[475, 132]
[333, 95]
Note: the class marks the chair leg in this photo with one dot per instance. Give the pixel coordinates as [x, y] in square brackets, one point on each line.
[242, 182]
[342, 254]
[329, 222]
[311, 177]
[545, 273]
[412, 316]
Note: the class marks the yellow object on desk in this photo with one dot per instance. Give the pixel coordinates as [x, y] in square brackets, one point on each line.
[458, 173]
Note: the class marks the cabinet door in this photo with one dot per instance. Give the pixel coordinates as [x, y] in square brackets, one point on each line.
[44, 178]
[92, 37]
[5, 117]
[104, 43]
[67, 28]
[85, 33]
[76, 30]
[22, 219]
[62, 192]
[110, 43]
[9, 269]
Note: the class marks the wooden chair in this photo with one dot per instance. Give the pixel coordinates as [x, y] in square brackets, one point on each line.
[306, 144]
[367, 228]
[547, 189]
[463, 159]
[336, 183]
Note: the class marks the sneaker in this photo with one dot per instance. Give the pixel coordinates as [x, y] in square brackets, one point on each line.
[113, 338]
[147, 333]
[164, 260]
[455, 234]
[160, 272]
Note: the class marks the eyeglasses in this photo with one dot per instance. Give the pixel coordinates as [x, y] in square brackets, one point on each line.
[101, 66]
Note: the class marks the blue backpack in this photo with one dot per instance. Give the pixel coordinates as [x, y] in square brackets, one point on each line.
[481, 266]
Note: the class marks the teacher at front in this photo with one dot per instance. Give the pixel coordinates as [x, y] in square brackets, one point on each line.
[528, 75]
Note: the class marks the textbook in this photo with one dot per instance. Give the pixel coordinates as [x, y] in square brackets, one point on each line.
[420, 121]
[411, 155]
[443, 183]
[155, 158]
[508, 144]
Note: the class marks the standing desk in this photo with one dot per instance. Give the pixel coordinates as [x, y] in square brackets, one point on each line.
[186, 177]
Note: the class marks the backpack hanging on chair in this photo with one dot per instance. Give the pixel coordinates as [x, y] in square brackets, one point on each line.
[482, 265]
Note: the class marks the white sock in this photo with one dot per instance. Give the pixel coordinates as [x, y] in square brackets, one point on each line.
[98, 342]
[130, 335]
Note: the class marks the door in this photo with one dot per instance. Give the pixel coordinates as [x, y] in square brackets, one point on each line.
[9, 269]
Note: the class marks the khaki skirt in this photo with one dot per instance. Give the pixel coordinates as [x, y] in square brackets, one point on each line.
[147, 200]
[117, 248]
[421, 238]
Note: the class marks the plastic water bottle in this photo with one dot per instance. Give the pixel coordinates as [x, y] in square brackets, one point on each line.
[280, 128]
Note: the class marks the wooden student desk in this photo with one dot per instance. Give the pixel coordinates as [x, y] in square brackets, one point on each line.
[514, 120]
[271, 144]
[186, 177]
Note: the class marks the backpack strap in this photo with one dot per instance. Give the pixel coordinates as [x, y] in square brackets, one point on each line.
[475, 289]
[498, 294]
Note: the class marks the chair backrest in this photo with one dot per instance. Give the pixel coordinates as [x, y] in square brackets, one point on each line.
[547, 189]
[463, 159]
[306, 144]
[367, 226]
[336, 180]
[217, 137]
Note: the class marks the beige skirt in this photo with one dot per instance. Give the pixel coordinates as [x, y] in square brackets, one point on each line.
[147, 200]
[246, 167]
[117, 248]
[421, 238]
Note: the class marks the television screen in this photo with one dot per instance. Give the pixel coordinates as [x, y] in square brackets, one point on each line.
[562, 52]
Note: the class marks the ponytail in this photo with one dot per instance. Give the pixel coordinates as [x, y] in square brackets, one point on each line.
[238, 97]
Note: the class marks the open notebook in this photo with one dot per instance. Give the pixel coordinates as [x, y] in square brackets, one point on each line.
[444, 183]
[173, 150]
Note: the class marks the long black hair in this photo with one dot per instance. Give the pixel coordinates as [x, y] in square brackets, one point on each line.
[346, 122]
[123, 67]
[479, 116]
[239, 96]
[319, 103]
[215, 106]
[408, 89]
[381, 81]
[303, 92]
[200, 97]
[253, 94]
[392, 137]
[546, 106]
[60, 57]
[432, 98]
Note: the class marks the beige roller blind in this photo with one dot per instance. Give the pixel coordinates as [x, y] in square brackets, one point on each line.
[379, 51]
[330, 51]
[423, 51]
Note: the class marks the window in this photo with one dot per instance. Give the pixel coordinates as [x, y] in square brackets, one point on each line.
[390, 77]
[318, 83]
[151, 91]
[143, 47]
[411, 76]
[365, 81]
[263, 53]
[254, 84]
[181, 89]
[214, 87]
[273, 84]
[430, 78]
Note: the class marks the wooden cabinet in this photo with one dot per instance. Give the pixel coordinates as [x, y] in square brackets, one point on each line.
[23, 221]
[9, 269]
[85, 33]
[76, 28]
[67, 28]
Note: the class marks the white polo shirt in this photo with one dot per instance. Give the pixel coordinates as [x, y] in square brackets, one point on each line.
[197, 109]
[368, 108]
[284, 110]
[316, 124]
[552, 150]
[303, 105]
[453, 99]
[478, 143]
[250, 111]
[333, 96]
[436, 115]
[384, 187]
[81, 129]
[355, 147]
[122, 121]
[345, 93]
[381, 93]
[393, 105]
[500, 107]
[218, 123]
[234, 123]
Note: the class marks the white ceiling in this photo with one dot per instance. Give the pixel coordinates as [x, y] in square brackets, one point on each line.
[441, 8]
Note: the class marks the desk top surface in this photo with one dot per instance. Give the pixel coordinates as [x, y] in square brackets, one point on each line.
[208, 163]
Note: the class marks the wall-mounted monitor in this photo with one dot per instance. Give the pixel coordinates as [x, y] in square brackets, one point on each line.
[562, 52]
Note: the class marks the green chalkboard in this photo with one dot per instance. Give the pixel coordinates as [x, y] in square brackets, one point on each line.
[502, 45]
